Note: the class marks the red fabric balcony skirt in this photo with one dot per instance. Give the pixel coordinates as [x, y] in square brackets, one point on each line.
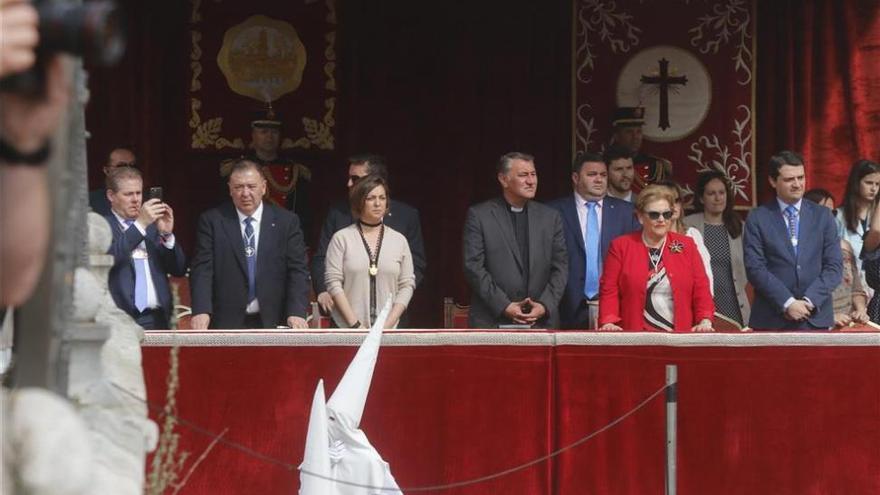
[758, 420]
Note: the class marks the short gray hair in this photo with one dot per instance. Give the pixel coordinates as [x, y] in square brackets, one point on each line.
[242, 164]
[504, 162]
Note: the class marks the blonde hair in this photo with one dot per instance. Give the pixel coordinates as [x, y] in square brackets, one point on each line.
[654, 193]
[678, 196]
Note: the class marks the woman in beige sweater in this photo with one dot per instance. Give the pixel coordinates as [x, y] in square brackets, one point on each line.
[368, 262]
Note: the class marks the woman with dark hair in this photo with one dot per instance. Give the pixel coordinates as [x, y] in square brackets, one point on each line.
[849, 298]
[679, 226]
[368, 262]
[859, 200]
[722, 233]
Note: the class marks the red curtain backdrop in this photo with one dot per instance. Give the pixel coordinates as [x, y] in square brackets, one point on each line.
[759, 420]
[819, 86]
[443, 91]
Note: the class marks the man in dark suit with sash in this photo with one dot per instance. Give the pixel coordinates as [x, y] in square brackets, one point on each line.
[591, 220]
[514, 253]
[249, 270]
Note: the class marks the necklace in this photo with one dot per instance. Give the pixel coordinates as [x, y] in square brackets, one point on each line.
[365, 224]
[655, 255]
[374, 260]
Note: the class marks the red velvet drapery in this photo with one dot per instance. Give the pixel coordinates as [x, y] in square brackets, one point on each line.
[819, 85]
[773, 420]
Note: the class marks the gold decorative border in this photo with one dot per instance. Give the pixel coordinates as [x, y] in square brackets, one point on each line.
[207, 133]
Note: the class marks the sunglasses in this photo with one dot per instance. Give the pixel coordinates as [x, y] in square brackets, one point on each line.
[355, 178]
[655, 215]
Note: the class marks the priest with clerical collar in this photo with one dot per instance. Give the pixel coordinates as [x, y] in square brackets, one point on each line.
[514, 253]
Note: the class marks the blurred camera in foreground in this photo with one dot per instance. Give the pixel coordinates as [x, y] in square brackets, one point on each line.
[93, 30]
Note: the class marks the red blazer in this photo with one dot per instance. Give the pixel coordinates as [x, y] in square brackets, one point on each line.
[623, 287]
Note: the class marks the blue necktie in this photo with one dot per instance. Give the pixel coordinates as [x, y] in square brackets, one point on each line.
[591, 246]
[791, 214]
[251, 257]
[140, 278]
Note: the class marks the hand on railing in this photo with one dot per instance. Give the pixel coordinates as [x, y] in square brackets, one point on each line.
[705, 325]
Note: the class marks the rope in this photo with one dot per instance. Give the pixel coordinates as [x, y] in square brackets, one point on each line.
[291, 467]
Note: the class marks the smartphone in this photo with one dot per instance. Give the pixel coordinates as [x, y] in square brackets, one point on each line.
[155, 193]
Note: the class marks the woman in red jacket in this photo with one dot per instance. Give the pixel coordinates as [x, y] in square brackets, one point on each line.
[654, 280]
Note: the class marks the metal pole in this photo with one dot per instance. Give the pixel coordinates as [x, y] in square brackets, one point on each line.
[671, 428]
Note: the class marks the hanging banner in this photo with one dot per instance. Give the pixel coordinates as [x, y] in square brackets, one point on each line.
[247, 57]
[687, 68]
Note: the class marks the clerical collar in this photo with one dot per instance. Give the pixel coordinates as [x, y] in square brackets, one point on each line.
[516, 209]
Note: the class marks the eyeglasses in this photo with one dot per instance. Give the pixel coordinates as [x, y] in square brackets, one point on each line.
[655, 215]
[355, 178]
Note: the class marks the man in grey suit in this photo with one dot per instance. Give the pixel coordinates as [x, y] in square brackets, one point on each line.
[514, 253]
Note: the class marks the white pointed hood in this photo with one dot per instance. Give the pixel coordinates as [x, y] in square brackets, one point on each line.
[350, 395]
[316, 459]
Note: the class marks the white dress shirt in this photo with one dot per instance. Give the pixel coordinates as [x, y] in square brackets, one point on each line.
[582, 211]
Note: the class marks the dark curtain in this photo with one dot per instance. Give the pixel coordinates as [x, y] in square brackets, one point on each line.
[444, 89]
[819, 86]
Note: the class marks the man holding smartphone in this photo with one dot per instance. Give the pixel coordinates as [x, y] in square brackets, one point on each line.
[143, 248]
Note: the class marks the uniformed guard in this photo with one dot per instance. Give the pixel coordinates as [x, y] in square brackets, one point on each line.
[627, 123]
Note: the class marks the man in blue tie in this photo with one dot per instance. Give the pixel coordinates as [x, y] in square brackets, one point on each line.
[249, 270]
[792, 254]
[591, 219]
[143, 248]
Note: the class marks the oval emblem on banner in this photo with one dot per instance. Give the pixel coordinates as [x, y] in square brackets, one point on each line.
[262, 58]
[673, 86]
